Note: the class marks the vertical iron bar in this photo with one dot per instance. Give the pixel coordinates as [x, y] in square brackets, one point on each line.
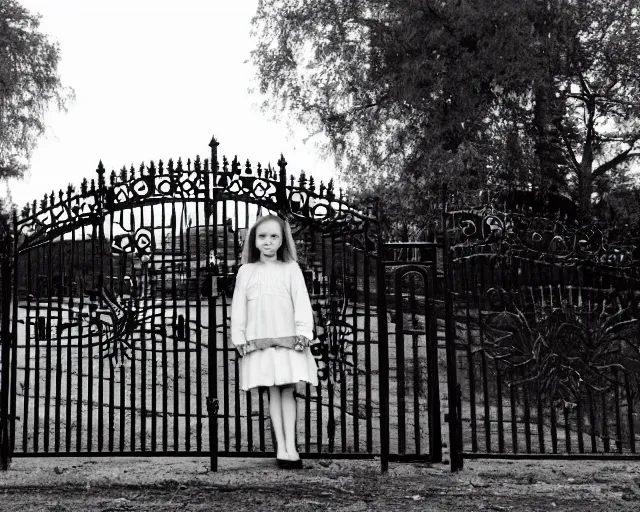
[342, 345]
[58, 348]
[540, 413]
[69, 339]
[514, 418]
[630, 415]
[198, 328]
[367, 344]
[38, 339]
[47, 396]
[500, 413]
[100, 352]
[165, 330]
[89, 341]
[605, 424]
[14, 333]
[187, 338]
[261, 419]
[417, 370]
[580, 424]
[383, 356]
[331, 338]
[616, 383]
[27, 358]
[355, 356]
[554, 427]
[174, 323]
[144, 303]
[483, 361]
[133, 299]
[433, 390]
[213, 330]
[527, 418]
[455, 438]
[249, 394]
[225, 348]
[236, 367]
[470, 363]
[400, 376]
[326, 350]
[567, 429]
[592, 421]
[155, 330]
[5, 448]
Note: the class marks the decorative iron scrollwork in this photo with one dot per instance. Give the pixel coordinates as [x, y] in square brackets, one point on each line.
[539, 238]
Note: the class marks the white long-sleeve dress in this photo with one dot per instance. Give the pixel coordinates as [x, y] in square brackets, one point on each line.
[270, 300]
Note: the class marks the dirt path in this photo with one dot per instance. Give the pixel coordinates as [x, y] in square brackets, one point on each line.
[254, 484]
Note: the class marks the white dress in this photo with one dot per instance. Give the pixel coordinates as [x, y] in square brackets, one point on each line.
[270, 300]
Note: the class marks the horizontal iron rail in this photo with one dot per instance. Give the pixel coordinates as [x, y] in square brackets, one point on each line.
[556, 456]
[397, 245]
[240, 454]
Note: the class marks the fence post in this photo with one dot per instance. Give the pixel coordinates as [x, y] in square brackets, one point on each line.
[212, 399]
[383, 349]
[452, 417]
[5, 339]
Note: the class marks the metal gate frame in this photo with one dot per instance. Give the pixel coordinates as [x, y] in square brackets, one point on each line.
[340, 284]
[425, 267]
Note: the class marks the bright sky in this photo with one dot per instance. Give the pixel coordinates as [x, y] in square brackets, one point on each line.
[155, 79]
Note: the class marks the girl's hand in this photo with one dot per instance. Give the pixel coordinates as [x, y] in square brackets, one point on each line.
[302, 342]
[242, 350]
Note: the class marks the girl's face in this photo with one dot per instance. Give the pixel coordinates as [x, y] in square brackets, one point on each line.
[268, 240]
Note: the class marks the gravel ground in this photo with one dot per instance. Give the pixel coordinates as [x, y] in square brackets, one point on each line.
[164, 484]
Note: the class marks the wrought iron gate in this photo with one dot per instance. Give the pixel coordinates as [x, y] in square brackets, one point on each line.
[116, 340]
[409, 354]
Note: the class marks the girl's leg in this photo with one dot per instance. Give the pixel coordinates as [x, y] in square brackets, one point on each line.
[275, 411]
[289, 414]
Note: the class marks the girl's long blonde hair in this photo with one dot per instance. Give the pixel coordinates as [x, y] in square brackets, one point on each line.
[286, 252]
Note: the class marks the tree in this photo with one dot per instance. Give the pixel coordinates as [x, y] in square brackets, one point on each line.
[472, 86]
[29, 86]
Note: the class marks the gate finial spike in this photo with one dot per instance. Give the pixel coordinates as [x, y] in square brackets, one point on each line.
[214, 142]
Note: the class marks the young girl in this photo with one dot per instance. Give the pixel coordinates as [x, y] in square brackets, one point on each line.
[272, 325]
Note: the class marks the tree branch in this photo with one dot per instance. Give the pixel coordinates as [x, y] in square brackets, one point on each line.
[617, 160]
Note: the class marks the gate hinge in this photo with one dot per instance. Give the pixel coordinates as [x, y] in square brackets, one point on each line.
[213, 406]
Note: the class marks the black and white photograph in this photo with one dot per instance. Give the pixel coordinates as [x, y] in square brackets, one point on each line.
[320, 255]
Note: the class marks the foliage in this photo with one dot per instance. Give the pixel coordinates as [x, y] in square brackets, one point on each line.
[29, 85]
[500, 93]
[571, 348]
